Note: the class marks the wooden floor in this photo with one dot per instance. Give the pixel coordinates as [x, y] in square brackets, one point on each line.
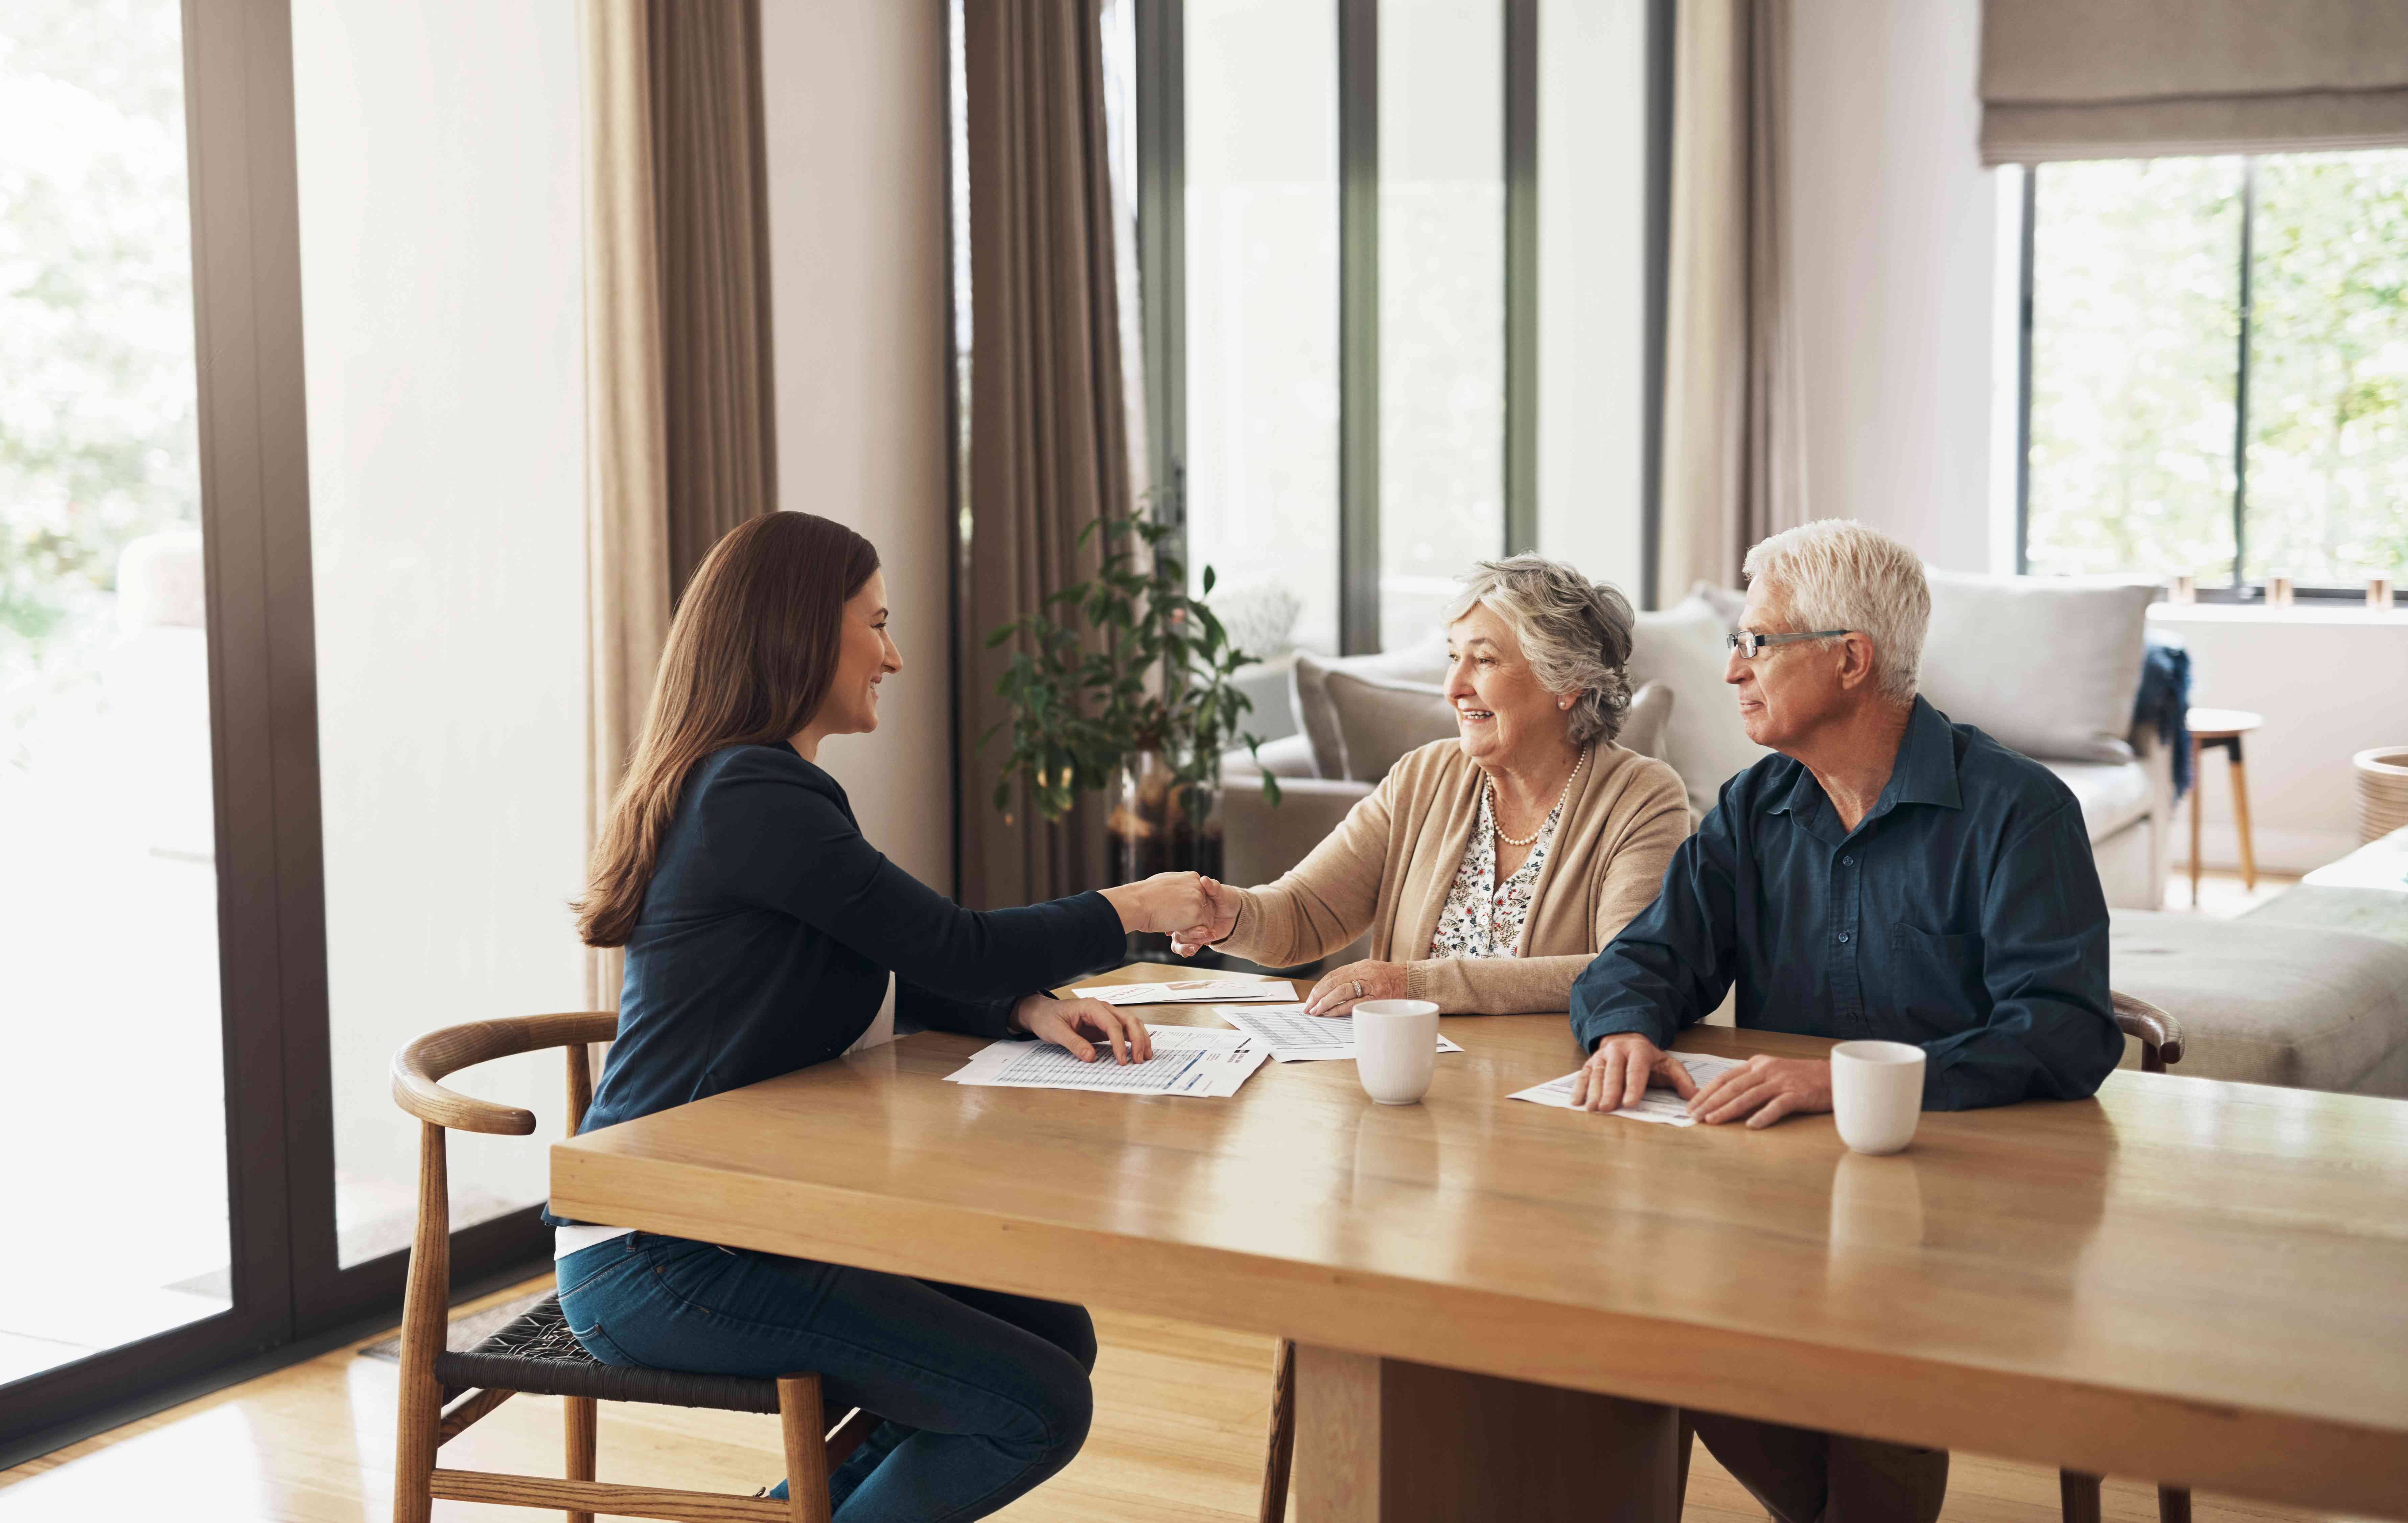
[1178, 1439]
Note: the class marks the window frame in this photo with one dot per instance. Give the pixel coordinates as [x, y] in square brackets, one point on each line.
[2241, 591]
[1161, 157]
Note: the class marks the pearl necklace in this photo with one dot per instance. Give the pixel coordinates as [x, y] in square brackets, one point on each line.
[1496, 821]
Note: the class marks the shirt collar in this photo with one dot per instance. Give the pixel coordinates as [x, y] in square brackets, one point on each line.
[1925, 771]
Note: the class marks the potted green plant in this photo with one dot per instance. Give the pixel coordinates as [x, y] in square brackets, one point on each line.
[1145, 711]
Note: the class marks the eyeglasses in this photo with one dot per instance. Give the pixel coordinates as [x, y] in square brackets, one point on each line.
[1751, 645]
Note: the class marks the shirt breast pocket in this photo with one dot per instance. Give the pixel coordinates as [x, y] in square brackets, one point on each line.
[1937, 980]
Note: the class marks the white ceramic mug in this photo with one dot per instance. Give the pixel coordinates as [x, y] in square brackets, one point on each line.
[1395, 1048]
[1877, 1094]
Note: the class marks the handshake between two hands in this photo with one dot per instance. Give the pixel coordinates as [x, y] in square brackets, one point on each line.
[1192, 910]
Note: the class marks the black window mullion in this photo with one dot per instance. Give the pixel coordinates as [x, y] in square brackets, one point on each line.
[1358, 325]
[1162, 250]
[1521, 275]
[1660, 20]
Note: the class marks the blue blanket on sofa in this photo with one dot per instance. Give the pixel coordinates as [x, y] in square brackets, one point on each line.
[2164, 703]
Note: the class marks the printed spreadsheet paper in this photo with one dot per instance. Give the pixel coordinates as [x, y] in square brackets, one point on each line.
[1294, 1037]
[1187, 1060]
[1192, 991]
[1659, 1105]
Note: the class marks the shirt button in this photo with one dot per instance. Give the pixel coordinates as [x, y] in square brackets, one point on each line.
[1844, 936]
[1847, 861]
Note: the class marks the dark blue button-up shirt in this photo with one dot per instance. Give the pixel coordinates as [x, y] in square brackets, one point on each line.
[1963, 915]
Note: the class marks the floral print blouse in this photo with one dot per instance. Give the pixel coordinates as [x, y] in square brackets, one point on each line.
[1484, 918]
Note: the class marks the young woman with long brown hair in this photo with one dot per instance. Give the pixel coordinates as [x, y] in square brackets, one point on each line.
[761, 931]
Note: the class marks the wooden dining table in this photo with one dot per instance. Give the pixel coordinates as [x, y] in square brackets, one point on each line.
[1498, 1304]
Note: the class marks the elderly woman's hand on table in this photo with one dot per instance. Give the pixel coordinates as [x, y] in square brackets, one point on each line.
[1338, 992]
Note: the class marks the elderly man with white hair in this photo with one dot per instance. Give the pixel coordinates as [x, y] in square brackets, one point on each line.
[1886, 874]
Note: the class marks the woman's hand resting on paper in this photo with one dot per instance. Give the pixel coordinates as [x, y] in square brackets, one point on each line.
[1061, 1020]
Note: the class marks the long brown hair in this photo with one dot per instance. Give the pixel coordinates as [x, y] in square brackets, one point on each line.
[750, 657]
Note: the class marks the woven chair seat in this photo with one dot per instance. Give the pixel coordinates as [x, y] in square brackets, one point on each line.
[539, 1355]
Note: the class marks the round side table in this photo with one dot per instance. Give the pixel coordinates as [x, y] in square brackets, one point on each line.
[2215, 729]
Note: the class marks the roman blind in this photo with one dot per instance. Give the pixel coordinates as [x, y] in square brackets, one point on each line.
[2149, 79]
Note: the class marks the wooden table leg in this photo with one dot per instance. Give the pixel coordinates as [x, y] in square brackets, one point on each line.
[2241, 817]
[2195, 781]
[1384, 1441]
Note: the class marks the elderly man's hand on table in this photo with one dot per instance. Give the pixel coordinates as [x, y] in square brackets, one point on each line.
[1618, 1073]
[1764, 1089]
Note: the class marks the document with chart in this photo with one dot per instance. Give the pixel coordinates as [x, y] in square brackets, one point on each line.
[1659, 1104]
[1187, 1060]
[1192, 991]
[1294, 1037]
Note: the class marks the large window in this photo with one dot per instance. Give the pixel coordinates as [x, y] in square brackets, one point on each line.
[1342, 246]
[2217, 371]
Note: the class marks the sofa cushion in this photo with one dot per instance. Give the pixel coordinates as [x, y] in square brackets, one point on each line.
[2048, 667]
[1683, 648]
[2294, 1005]
[1642, 723]
[1289, 757]
[2113, 793]
[1379, 720]
[1309, 692]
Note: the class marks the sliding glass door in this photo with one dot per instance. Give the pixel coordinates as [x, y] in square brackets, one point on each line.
[156, 858]
[113, 1098]
[202, 1160]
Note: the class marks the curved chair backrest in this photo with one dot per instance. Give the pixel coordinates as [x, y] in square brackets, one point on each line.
[419, 1068]
[2160, 1034]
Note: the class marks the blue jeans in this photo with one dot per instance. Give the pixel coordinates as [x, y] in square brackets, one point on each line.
[983, 1395]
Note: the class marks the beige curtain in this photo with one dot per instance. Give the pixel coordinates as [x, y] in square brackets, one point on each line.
[1048, 437]
[711, 221]
[626, 432]
[1734, 443]
[2141, 79]
[678, 437]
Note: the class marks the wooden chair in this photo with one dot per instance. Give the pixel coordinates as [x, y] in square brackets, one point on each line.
[2161, 1045]
[443, 1393]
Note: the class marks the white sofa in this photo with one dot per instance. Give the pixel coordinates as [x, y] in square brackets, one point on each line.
[2048, 666]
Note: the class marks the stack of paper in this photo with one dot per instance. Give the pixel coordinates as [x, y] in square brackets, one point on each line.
[1660, 1105]
[1292, 1036]
[1192, 991]
[1187, 1060]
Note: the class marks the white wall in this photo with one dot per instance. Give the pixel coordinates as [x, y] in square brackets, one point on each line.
[2329, 681]
[442, 276]
[1592, 284]
[855, 122]
[1893, 224]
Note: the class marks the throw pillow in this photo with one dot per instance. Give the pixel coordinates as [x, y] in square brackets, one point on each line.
[1642, 723]
[1308, 691]
[1682, 648]
[1381, 720]
[2049, 667]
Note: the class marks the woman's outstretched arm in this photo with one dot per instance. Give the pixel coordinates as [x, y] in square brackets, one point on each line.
[782, 838]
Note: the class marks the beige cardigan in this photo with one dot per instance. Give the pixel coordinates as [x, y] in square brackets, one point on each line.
[1390, 864]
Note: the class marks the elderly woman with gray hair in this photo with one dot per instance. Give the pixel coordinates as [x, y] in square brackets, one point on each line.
[1488, 869]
